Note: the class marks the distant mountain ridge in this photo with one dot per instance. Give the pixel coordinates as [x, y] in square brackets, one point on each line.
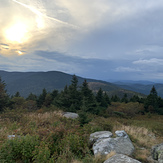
[142, 88]
[34, 82]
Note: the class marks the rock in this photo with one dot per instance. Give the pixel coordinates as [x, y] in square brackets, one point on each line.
[120, 145]
[121, 133]
[160, 158]
[157, 152]
[70, 115]
[11, 137]
[104, 144]
[120, 158]
[100, 135]
[150, 160]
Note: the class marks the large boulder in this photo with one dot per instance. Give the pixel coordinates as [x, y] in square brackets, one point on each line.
[119, 145]
[100, 135]
[104, 144]
[70, 115]
[120, 158]
[157, 152]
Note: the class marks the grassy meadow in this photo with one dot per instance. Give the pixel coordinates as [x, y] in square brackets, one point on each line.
[45, 136]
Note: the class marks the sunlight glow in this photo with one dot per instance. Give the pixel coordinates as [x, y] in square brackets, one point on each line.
[17, 33]
[19, 52]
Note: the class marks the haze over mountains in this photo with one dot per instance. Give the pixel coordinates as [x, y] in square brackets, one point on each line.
[34, 82]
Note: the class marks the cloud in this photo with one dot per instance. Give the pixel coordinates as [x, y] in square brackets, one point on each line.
[151, 62]
[127, 69]
[113, 39]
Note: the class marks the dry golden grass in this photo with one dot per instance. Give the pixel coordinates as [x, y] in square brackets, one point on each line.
[112, 153]
[139, 135]
[76, 161]
[142, 154]
[142, 138]
[44, 123]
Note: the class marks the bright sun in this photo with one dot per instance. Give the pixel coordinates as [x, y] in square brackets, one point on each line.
[17, 33]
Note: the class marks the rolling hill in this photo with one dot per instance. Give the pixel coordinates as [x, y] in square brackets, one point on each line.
[34, 82]
[142, 88]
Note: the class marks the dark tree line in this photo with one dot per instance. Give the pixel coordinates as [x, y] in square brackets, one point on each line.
[76, 98]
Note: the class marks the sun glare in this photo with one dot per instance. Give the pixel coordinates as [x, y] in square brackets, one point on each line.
[19, 52]
[16, 33]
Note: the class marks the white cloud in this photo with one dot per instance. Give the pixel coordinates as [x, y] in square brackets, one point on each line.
[127, 69]
[152, 62]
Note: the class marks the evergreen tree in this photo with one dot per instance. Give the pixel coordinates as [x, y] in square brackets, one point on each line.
[135, 98]
[48, 100]
[63, 99]
[83, 118]
[151, 102]
[107, 99]
[115, 98]
[41, 98]
[4, 98]
[54, 94]
[88, 99]
[124, 98]
[100, 98]
[74, 94]
[17, 94]
[31, 97]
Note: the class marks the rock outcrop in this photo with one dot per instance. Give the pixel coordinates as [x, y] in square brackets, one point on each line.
[120, 158]
[100, 135]
[121, 133]
[70, 115]
[157, 153]
[104, 144]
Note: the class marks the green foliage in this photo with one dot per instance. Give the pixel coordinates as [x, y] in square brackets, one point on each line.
[41, 98]
[74, 146]
[151, 102]
[115, 98]
[83, 118]
[88, 99]
[19, 148]
[74, 94]
[135, 98]
[125, 99]
[54, 94]
[42, 153]
[17, 102]
[48, 100]
[4, 99]
[119, 114]
[17, 94]
[31, 96]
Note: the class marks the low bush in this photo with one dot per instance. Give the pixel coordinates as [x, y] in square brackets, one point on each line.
[19, 148]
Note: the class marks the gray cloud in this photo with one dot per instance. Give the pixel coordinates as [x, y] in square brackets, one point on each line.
[100, 39]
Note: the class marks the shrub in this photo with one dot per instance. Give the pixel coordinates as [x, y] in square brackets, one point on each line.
[20, 148]
[75, 145]
[42, 153]
[83, 118]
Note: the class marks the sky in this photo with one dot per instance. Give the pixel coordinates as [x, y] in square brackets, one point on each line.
[99, 39]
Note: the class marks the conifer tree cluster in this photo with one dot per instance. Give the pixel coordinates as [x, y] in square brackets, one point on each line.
[81, 99]
[74, 98]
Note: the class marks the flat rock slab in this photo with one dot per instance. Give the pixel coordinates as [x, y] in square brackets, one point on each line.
[120, 145]
[70, 115]
[99, 135]
[120, 158]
